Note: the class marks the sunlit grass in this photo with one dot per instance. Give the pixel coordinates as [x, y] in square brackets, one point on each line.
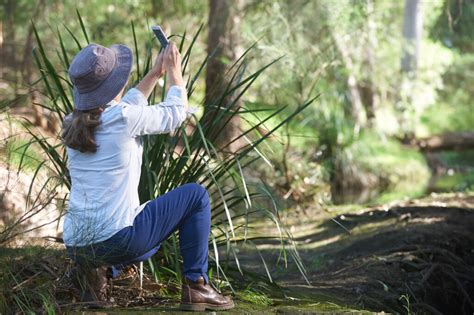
[455, 182]
[254, 296]
[21, 154]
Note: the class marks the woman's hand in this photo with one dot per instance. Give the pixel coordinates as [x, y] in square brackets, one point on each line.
[168, 61]
[172, 64]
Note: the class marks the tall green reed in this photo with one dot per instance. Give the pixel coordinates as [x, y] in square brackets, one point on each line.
[184, 156]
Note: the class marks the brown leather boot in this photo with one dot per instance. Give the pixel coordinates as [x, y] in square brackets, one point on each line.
[92, 286]
[199, 296]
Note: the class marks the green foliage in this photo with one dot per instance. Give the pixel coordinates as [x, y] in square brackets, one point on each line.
[172, 160]
[383, 153]
[447, 117]
[454, 109]
[440, 98]
[454, 26]
[458, 78]
[304, 33]
[22, 155]
[460, 174]
[454, 159]
[455, 182]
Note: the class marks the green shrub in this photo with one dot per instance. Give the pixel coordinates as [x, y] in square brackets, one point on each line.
[167, 164]
[453, 112]
[399, 171]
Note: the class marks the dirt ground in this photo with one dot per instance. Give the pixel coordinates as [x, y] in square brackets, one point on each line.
[415, 256]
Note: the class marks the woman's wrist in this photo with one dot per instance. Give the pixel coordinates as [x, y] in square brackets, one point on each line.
[148, 82]
[155, 73]
[175, 78]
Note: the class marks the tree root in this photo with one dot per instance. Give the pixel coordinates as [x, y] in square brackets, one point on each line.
[445, 278]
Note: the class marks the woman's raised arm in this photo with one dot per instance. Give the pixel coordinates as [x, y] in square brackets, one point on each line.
[168, 61]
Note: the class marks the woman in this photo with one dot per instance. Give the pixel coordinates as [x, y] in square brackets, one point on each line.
[105, 225]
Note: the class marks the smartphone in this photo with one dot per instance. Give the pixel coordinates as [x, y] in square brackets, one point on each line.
[160, 35]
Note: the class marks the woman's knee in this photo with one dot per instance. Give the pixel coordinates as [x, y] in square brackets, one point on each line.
[202, 195]
[198, 189]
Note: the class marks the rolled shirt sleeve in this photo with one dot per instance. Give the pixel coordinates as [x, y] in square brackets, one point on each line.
[163, 117]
[135, 97]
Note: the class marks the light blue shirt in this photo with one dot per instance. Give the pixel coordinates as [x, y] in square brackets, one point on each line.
[104, 191]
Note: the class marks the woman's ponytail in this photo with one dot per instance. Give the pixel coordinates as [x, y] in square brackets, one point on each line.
[78, 129]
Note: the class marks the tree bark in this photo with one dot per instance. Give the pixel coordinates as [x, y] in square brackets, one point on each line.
[357, 109]
[368, 89]
[27, 73]
[26, 63]
[9, 48]
[224, 45]
[412, 28]
[455, 141]
[2, 51]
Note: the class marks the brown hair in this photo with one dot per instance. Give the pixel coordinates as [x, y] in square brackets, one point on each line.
[78, 129]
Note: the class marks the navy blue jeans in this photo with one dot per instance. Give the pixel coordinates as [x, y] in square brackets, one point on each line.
[186, 208]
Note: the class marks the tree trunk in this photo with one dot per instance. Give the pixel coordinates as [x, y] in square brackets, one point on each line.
[224, 45]
[26, 63]
[357, 109]
[27, 73]
[368, 89]
[2, 51]
[9, 51]
[412, 28]
[456, 141]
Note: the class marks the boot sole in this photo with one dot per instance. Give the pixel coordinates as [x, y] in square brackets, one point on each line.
[206, 306]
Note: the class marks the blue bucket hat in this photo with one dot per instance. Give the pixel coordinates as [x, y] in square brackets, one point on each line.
[98, 74]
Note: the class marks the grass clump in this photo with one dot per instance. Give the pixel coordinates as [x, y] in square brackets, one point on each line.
[254, 296]
[30, 278]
